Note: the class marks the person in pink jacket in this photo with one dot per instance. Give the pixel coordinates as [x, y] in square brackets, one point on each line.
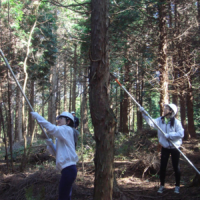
[64, 149]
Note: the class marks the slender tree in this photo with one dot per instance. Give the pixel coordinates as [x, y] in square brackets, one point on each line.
[163, 67]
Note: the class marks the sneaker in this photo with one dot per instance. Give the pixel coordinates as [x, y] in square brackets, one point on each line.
[161, 189]
[176, 190]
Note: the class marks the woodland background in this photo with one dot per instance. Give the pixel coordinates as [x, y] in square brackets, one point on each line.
[62, 53]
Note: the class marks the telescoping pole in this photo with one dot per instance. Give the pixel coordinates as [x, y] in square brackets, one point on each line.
[154, 122]
[7, 64]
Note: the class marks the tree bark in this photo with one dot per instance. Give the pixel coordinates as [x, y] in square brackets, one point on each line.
[43, 99]
[84, 110]
[70, 92]
[162, 60]
[18, 116]
[102, 115]
[121, 107]
[138, 94]
[52, 102]
[175, 57]
[125, 102]
[116, 108]
[10, 125]
[182, 87]
[198, 16]
[58, 88]
[189, 97]
[124, 113]
[4, 133]
[190, 113]
[65, 85]
[74, 80]
[183, 113]
[31, 120]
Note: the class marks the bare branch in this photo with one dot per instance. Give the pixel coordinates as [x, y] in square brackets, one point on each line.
[56, 3]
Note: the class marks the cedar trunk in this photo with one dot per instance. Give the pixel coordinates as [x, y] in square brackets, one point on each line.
[190, 113]
[74, 80]
[125, 111]
[18, 116]
[52, 102]
[102, 115]
[163, 68]
[138, 94]
[183, 113]
[31, 120]
[84, 110]
[65, 85]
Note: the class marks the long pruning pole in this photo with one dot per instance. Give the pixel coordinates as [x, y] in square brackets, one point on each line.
[7, 64]
[146, 113]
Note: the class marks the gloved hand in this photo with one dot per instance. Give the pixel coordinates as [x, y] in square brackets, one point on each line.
[35, 115]
[51, 145]
[141, 109]
[166, 135]
[49, 142]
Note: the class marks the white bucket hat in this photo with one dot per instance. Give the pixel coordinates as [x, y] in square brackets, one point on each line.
[66, 114]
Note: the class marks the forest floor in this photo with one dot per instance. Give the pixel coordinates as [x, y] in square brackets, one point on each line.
[136, 173]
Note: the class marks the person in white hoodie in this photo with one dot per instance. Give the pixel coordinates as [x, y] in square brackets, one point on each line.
[64, 150]
[173, 131]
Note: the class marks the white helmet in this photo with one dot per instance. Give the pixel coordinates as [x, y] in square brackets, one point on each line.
[173, 107]
[66, 114]
[73, 112]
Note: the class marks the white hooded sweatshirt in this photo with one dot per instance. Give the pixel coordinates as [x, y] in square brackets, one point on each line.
[176, 133]
[65, 144]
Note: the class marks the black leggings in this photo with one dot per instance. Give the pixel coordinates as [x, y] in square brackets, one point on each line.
[175, 155]
[68, 176]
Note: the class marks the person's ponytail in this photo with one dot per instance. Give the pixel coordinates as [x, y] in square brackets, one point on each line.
[172, 120]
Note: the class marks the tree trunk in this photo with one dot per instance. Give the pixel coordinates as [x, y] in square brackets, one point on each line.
[74, 80]
[175, 57]
[182, 87]
[190, 113]
[70, 92]
[84, 111]
[125, 102]
[4, 133]
[121, 111]
[43, 99]
[10, 126]
[58, 86]
[198, 17]
[31, 120]
[24, 88]
[18, 116]
[65, 85]
[116, 108]
[162, 60]
[183, 113]
[102, 116]
[52, 102]
[138, 97]
[121, 104]
[179, 72]
[189, 98]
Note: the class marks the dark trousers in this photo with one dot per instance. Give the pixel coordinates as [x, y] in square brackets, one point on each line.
[68, 176]
[175, 155]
